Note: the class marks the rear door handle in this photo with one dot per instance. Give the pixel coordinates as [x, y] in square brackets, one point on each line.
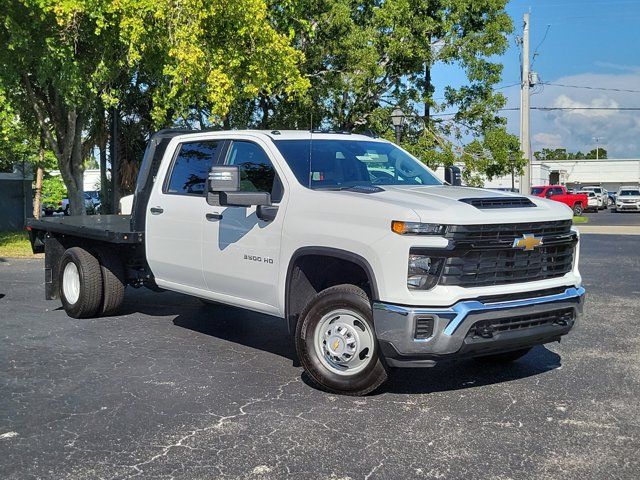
[156, 210]
[213, 216]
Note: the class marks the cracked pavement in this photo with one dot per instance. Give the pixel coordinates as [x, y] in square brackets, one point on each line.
[174, 389]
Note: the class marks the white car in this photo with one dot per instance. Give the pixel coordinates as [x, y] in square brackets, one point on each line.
[369, 259]
[601, 194]
[628, 199]
[592, 201]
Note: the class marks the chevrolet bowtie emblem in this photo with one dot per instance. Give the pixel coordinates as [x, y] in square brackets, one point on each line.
[527, 242]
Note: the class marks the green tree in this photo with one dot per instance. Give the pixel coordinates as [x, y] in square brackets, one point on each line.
[17, 142]
[600, 153]
[563, 154]
[66, 61]
[365, 57]
[53, 191]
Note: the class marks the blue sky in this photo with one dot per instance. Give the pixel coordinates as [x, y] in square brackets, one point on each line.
[588, 43]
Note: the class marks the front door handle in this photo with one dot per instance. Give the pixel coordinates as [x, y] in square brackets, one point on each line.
[213, 216]
[156, 210]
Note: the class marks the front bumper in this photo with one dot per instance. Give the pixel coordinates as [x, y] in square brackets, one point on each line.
[634, 207]
[520, 323]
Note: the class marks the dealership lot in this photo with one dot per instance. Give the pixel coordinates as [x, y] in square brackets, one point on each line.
[177, 389]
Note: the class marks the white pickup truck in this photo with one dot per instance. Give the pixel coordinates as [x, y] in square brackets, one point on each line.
[370, 259]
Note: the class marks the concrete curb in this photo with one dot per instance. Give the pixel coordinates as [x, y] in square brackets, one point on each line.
[609, 229]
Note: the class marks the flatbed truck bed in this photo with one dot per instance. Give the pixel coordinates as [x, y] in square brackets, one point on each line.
[105, 228]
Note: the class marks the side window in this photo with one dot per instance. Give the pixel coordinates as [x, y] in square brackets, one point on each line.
[256, 170]
[191, 167]
[557, 191]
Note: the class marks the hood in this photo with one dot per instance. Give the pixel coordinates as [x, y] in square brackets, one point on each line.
[443, 204]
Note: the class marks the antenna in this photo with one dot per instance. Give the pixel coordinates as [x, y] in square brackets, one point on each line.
[310, 144]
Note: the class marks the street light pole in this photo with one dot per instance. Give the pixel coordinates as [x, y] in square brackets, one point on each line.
[397, 118]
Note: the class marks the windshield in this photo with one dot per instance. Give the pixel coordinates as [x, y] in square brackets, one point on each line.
[341, 164]
[628, 193]
[536, 190]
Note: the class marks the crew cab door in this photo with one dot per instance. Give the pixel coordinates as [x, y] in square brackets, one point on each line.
[175, 214]
[240, 250]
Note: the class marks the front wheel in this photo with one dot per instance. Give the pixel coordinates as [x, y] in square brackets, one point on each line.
[336, 342]
[577, 209]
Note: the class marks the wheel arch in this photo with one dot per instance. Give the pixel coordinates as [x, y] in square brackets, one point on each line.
[303, 289]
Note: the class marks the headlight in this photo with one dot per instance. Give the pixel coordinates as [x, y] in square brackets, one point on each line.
[416, 228]
[424, 271]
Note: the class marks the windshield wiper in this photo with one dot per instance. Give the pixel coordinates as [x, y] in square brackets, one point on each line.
[334, 189]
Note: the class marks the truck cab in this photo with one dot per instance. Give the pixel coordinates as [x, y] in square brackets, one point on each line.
[369, 258]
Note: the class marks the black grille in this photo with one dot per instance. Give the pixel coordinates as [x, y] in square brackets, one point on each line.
[477, 268]
[488, 328]
[521, 295]
[424, 327]
[499, 202]
[503, 235]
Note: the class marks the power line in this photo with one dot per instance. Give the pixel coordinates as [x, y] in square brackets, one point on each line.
[535, 51]
[591, 88]
[619, 109]
[547, 109]
[507, 86]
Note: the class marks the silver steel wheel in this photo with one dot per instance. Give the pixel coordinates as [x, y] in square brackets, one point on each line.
[344, 342]
[71, 283]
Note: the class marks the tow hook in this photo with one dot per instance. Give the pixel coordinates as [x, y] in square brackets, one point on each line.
[485, 330]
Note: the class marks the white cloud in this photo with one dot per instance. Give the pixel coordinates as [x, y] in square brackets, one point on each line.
[549, 140]
[619, 131]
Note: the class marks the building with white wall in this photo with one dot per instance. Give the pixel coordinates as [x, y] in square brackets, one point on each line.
[91, 179]
[610, 173]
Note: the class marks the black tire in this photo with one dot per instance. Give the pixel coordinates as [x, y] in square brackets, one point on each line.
[113, 281]
[66, 211]
[344, 297]
[506, 357]
[90, 283]
[577, 209]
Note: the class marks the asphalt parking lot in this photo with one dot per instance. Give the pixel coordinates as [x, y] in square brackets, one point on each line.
[176, 389]
[609, 217]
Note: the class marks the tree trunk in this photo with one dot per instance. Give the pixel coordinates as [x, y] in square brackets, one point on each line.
[37, 201]
[65, 139]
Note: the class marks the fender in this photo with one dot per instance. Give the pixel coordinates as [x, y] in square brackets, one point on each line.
[329, 252]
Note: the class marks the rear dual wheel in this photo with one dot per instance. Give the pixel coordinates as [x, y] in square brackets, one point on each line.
[336, 342]
[91, 285]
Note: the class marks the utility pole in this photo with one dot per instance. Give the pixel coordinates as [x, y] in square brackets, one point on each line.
[525, 142]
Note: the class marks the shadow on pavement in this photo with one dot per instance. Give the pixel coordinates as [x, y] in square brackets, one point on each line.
[465, 374]
[253, 330]
[268, 333]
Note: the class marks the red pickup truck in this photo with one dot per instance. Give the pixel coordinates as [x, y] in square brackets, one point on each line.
[576, 201]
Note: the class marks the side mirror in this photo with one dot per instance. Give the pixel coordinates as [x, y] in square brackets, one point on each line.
[453, 176]
[224, 179]
[224, 183]
[549, 194]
